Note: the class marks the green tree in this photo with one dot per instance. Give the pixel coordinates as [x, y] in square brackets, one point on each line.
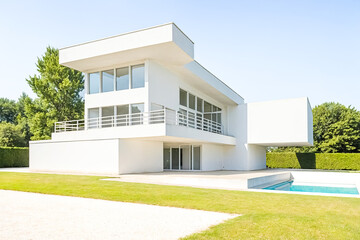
[22, 119]
[11, 135]
[336, 128]
[8, 110]
[58, 89]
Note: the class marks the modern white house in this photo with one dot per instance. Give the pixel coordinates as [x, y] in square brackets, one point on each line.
[150, 107]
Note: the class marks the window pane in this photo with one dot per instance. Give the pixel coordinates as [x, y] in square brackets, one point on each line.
[199, 105]
[107, 119]
[107, 111]
[191, 101]
[183, 97]
[93, 118]
[138, 76]
[137, 108]
[122, 118]
[136, 113]
[94, 83]
[122, 78]
[207, 107]
[122, 109]
[108, 80]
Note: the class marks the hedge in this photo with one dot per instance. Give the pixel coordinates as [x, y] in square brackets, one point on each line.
[329, 161]
[14, 157]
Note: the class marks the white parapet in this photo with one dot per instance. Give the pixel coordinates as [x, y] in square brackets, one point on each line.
[280, 123]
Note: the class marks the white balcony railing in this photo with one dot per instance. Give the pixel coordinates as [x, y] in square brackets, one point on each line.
[154, 117]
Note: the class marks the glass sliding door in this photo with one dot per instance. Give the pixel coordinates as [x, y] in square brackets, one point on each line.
[185, 157]
[175, 157]
[167, 158]
[196, 157]
[182, 157]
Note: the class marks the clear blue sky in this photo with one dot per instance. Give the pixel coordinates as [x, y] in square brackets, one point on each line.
[264, 50]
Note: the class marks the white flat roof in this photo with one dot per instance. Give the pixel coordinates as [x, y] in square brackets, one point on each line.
[166, 43]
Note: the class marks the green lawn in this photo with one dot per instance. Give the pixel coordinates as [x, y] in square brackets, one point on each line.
[265, 215]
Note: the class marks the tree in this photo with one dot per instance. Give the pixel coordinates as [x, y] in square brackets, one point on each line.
[22, 119]
[11, 136]
[336, 128]
[8, 110]
[58, 89]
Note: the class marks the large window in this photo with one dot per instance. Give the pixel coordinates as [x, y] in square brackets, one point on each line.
[93, 118]
[108, 80]
[192, 101]
[94, 83]
[137, 76]
[107, 119]
[195, 109]
[136, 113]
[122, 112]
[117, 79]
[122, 78]
[183, 97]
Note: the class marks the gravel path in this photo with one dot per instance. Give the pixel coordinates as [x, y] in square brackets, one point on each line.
[40, 216]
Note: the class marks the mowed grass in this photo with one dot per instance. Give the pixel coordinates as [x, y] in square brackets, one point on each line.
[264, 215]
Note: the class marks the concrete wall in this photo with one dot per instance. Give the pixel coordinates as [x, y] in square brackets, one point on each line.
[138, 156]
[99, 156]
[280, 123]
[212, 157]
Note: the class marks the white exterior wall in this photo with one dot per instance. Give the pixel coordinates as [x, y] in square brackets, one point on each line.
[99, 156]
[212, 157]
[280, 123]
[138, 156]
[164, 85]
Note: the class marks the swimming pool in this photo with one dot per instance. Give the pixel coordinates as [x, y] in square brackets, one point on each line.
[307, 187]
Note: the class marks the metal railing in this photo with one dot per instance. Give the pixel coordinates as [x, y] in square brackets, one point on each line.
[154, 117]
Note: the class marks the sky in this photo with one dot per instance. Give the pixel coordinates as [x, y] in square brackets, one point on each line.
[264, 50]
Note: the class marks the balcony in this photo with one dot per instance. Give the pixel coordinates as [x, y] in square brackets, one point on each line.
[164, 116]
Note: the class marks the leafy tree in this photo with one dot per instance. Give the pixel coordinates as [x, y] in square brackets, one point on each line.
[58, 89]
[22, 119]
[8, 110]
[11, 136]
[336, 128]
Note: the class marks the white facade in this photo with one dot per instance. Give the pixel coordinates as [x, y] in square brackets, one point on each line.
[150, 107]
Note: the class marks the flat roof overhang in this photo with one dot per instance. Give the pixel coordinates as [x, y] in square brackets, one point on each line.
[164, 43]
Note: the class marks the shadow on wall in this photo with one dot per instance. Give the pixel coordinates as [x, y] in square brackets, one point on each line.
[306, 160]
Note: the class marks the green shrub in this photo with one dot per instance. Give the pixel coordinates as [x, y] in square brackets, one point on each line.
[329, 161]
[14, 157]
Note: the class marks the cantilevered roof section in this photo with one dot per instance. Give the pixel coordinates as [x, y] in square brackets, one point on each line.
[165, 43]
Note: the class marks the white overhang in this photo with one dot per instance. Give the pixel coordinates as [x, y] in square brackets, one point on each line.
[165, 43]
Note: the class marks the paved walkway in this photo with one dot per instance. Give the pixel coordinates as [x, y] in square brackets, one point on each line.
[40, 216]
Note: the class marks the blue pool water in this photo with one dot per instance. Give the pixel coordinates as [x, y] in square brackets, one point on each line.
[288, 186]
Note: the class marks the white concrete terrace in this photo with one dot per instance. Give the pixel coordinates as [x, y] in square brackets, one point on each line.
[161, 125]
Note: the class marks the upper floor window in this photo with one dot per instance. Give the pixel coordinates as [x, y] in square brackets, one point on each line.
[122, 78]
[183, 97]
[138, 76]
[117, 79]
[94, 83]
[108, 80]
